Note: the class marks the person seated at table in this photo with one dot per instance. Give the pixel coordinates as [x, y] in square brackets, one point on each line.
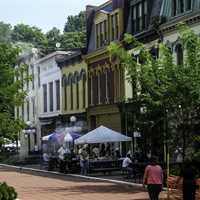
[95, 152]
[62, 152]
[127, 165]
[108, 150]
[103, 151]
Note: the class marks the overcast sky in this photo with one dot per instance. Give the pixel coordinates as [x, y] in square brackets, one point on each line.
[42, 13]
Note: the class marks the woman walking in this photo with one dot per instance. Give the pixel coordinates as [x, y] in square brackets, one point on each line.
[153, 178]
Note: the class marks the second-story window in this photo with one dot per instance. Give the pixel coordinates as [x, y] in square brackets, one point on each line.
[101, 34]
[28, 110]
[33, 107]
[139, 16]
[23, 111]
[51, 96]
[58, 94]
[180, 6]
[84, 90]
[97, 36]
[44, 97]
[38, 76]
[27, 76]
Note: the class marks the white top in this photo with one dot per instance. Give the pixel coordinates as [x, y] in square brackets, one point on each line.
[126, 162]
[62, 151]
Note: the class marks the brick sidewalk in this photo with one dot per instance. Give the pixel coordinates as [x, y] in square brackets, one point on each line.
[32, 187]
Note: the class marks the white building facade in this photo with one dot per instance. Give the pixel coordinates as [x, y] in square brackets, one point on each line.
[49, 92]
[28, 111]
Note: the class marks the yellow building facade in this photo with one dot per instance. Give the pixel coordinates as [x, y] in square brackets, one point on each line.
[106, 79]
[74, 86]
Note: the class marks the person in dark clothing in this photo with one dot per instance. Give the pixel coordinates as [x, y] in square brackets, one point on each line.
[188, 174]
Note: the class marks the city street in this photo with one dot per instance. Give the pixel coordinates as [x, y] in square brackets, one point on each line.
[33, 187]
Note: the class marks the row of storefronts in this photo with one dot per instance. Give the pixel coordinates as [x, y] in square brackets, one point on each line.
[85, 83]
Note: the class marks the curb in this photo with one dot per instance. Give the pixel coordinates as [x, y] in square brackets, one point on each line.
[72, 175]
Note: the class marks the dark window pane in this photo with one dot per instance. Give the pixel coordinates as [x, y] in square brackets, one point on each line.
[84, 91]
[71, 94]
[65, 96]
[179, 54]
[33, 78]
[77, 93]
[189, 4]
[45, 97]
[23, 111]
[58, 94]
[38, 76]
[28, 111]
[51, 96]
[33, 104]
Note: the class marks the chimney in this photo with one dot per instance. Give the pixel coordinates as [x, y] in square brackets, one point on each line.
[90, 11]
[118, 4]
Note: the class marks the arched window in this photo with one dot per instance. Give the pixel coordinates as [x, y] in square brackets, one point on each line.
[70, 79]
[179, 54]
[76, 79]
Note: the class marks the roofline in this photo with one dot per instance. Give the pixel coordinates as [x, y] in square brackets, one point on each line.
[105, 4]
[101, 5]
[52, 55]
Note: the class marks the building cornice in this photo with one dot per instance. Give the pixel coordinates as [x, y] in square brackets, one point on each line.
[188, 18]
[96, 55]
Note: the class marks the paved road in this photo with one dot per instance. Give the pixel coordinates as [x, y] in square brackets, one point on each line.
[34, 187]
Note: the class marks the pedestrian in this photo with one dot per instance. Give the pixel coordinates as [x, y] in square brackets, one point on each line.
[127, 165]
[62, 152]
[84, 161]
[188, 174]
[153, 178]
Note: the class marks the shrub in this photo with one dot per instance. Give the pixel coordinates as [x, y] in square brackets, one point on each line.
[7, 192]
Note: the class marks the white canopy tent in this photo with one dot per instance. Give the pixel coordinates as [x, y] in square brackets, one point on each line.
[102, 135]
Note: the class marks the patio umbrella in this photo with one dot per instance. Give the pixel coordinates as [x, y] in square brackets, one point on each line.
[57, 138]
[102, 135]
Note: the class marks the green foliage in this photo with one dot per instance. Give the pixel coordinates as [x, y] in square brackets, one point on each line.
[53, 36]
[5, 32]
[73, 40]
[163, 85]
[76, 23]
[11, 93]
[7, 192]
[26, 33]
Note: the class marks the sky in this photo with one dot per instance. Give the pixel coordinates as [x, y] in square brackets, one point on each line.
[44, 14]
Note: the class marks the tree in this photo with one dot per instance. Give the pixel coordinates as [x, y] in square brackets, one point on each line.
[53, 36]
[11, 93]
[76, 23]
[71, 40]
[5, 32]
[26, 33]
[170, 89]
